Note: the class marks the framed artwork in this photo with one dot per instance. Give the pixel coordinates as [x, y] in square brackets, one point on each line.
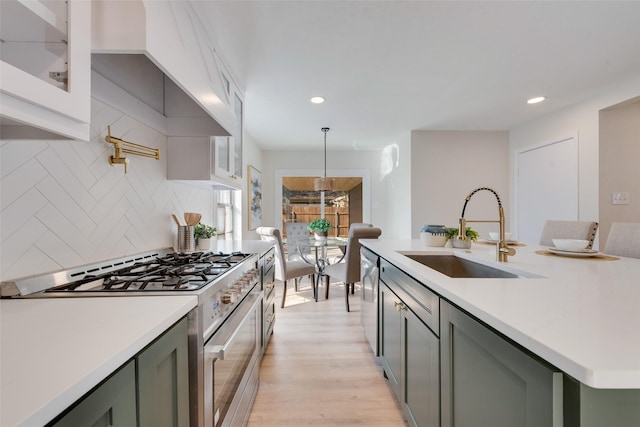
[255, 197]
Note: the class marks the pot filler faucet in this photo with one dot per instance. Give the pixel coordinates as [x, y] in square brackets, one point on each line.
[502, 249]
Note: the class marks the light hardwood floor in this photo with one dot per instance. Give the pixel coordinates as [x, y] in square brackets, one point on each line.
[318, 368]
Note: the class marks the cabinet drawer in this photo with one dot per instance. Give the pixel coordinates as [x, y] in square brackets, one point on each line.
[424, 303]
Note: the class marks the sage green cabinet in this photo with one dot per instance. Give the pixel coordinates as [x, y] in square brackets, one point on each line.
[152, 389]
[163, 380]
[489, 382]
[410, 348]
[113, 403]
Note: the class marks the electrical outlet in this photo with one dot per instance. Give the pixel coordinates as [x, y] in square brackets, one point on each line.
[620, 198]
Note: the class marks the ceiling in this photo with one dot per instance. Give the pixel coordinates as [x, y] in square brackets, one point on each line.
[306, 183]
[388, 67]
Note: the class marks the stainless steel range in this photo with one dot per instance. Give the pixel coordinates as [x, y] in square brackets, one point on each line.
[224, 328]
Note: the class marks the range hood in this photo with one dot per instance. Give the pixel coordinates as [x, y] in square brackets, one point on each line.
[135, 85]
[166, 40]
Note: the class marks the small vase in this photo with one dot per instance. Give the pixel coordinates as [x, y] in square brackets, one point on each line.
[320, 235]
[460, 244]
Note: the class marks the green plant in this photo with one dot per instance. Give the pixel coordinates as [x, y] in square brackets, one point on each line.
[203, 231]
[452, 233]
[321, 224]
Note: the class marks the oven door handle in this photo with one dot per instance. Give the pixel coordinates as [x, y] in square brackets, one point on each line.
[217, 351]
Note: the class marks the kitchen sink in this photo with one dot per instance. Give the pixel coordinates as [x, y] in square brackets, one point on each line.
[453, 266]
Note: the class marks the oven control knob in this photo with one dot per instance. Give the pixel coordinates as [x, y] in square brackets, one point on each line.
[226, 298]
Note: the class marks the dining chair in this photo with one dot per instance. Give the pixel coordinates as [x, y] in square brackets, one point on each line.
[348, 271]
[285, 269]
[554, 229]
[297, 243]
[623, 240]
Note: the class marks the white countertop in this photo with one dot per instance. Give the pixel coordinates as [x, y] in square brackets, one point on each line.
[582, 315]
[54, 350]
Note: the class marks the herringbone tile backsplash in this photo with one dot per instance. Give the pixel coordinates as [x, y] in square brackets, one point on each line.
[63, 205]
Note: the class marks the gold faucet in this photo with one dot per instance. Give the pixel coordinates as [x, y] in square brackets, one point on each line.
[502, 249]
[118, 157]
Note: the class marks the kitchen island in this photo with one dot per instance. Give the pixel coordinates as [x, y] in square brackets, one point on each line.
[54, 350]
[577, 316]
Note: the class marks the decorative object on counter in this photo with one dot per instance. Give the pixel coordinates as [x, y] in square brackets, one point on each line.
[320, 227]
[204, 234]
[118, 157]
[471, 234]
[324, 183]
[573, 245]
[495, 236]
[587, 254]
[255, 197]
[503, 251]
[434, 235]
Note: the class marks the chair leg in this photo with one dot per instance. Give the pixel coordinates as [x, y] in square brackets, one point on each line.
[353, 288]
[346, 296]
[326, 287]
[314, 286]
[284, 294]
[295, 284]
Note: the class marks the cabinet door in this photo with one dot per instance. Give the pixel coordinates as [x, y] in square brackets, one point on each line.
[45, 64]
[163, 380]
[488, 382]
[112, 404]
[421, 373]
[390, 339]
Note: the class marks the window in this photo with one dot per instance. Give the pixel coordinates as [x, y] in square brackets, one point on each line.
[228, 214]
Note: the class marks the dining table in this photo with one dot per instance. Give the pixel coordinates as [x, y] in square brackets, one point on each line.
[320, 251]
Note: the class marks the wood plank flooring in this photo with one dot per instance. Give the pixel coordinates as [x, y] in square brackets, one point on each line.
[318, 368]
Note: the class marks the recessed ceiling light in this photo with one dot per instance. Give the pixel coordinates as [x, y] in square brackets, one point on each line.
[536, 99]
[317, 100]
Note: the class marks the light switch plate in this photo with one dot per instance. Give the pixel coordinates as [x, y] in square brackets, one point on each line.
[620, 198]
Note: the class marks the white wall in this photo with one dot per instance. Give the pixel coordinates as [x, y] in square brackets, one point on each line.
[446, 166]
[396, 175]
[581, 119]
[619, 168]
[313, 163]
[63, 205]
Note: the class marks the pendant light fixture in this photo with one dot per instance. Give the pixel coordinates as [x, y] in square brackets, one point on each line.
[324, 183]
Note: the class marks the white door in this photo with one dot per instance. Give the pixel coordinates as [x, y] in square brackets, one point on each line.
[546, 187]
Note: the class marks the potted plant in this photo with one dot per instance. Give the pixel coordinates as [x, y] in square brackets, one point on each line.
[204, 234]
[452, 234]
[320, 227]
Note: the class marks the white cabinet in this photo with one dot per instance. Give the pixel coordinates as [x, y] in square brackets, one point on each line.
[228, 149]
[44, 69]
[194, 159]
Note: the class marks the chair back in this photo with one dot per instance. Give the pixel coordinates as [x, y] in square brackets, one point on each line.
[623, 240]
[272, 234]
[297, 240]
[352, 255]
[583, 230]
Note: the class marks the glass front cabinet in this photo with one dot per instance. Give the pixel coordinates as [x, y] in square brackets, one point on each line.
[45, 59]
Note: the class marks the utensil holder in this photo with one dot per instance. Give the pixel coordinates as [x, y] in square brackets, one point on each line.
[186, 241]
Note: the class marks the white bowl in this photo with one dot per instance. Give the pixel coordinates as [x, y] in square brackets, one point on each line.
[573, 245]
[496, 236]
[430, 239]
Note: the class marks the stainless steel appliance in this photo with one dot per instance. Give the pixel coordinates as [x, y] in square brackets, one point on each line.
[224, 328]
[369, 273]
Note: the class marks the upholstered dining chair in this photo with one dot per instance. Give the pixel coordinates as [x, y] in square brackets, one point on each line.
[297, 243]
[623, 240]
[348, 271]
[285, 269]
[583, 230]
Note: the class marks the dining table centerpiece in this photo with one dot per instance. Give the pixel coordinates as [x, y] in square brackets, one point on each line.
[320, 228]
